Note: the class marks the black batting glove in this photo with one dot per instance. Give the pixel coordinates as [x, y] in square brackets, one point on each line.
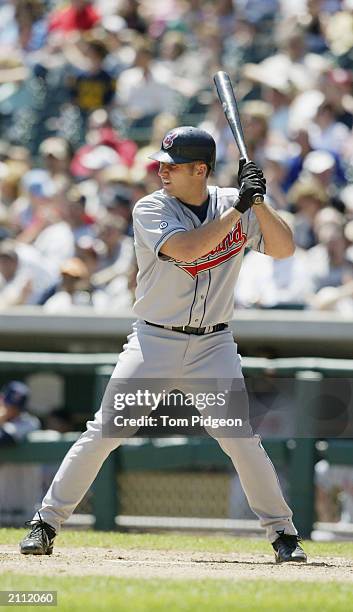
[250, 187]
[248, 170]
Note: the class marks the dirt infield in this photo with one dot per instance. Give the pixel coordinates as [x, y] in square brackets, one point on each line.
[147, 564]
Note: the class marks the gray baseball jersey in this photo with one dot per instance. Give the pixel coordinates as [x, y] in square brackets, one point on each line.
[200, 293]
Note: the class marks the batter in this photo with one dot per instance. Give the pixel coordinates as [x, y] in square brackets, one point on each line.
[189, 240]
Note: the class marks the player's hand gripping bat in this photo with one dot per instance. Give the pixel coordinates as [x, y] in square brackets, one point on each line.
[230, 108]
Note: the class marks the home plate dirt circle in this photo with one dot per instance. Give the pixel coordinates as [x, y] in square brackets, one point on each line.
[184, 565]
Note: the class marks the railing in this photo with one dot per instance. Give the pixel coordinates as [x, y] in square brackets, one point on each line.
[288, 332]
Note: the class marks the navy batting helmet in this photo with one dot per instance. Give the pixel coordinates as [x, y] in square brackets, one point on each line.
[15, 393]
[186, 144]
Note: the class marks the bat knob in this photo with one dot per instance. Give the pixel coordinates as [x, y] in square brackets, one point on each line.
[258, 199]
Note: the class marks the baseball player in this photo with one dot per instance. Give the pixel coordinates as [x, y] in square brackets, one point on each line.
[15, 425]
[189, 240]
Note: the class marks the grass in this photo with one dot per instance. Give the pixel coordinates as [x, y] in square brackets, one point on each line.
[125, 595]
[178, 541]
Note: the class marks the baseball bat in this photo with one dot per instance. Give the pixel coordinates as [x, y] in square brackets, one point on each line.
[228, 100]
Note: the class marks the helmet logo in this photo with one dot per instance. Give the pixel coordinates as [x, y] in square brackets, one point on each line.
[169, 139]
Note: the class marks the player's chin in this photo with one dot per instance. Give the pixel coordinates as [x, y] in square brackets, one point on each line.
[168, 188]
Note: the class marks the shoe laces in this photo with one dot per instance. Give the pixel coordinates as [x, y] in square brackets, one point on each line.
[38, 526]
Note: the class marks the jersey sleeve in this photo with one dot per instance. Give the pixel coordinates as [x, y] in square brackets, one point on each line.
[154, 224]
[255, 239]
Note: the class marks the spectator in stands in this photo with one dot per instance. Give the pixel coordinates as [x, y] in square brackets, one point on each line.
[314, 163]
[73, 289]
[125, 181]
[130, 11]
[209, 41]
[314, 26]
[56, 241]
[33, 210]
[191, 15]
[120, 204]
[56, 155]
[308, 197]
[336, 299]
[256, 115]
[92, 87]
[24, 275]
[225, 17]
[274, 283]
[94, 163]
[325, 168]
[25, 26]
[120, 54]
[180, 66]
[273, 79]
[32, 25]
[301, 141]
[116, 283]
[275, 168]
[11, 174]
[259, 10]
[80, 15]
[336, 85]
[75, 215]
[144, 90]
[326, 132]
[328, 259]
[89, 250]
[119, 253]
[101, 133]
[269, 283]
[119, 288]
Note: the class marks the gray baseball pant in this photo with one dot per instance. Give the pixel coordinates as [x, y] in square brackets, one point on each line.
[153, 352]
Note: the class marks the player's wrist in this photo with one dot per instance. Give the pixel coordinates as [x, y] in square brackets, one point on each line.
[235, 212]
[241, 205]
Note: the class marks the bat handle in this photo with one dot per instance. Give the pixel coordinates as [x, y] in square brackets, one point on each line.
[258, 197]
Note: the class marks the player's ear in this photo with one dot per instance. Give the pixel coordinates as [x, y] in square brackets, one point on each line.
[201, 169]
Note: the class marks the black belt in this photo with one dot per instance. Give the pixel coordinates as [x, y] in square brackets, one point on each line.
[197, 331]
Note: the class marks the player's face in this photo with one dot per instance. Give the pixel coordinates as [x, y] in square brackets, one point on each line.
[177, 179]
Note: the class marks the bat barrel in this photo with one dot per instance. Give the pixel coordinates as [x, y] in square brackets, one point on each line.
[228, 100]
[230, 108]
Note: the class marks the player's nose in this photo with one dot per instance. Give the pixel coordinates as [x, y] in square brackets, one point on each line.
[163, 170]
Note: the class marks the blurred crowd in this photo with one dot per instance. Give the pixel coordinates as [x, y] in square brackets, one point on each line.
[87, 91]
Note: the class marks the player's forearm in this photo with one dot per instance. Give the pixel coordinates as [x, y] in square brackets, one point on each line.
[191, 245]
[278, 237]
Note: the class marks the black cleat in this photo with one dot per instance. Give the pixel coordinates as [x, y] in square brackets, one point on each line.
[40, 539]
[287, 548]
